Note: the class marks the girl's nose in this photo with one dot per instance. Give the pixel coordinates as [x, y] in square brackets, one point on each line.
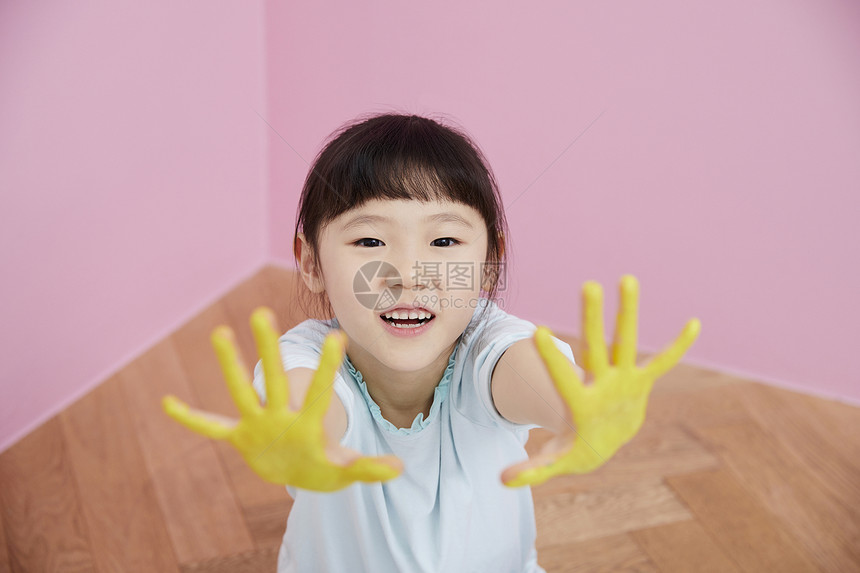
[407, 277]
[411, 273]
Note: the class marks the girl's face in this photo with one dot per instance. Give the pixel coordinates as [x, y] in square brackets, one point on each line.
[406, 253]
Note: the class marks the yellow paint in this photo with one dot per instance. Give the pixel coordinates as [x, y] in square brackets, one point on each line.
[608, 412]
[282, 446]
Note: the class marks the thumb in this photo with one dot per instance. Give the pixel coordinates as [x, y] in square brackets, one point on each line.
[550, 452]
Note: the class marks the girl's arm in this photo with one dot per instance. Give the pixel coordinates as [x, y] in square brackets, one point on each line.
[524, 393]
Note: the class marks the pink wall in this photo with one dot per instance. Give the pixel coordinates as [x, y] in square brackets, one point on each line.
[708, 148]
[721, 166]
[132, 179]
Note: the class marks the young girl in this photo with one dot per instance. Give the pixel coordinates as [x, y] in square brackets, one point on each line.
[401, 238]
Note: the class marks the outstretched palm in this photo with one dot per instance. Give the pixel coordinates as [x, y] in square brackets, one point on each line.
[282, 446]
[608, 412]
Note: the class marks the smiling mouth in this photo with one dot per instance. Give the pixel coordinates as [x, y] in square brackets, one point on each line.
[407, 322]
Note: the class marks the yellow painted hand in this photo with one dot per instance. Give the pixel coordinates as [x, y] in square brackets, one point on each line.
[608, 412]
[281, 445]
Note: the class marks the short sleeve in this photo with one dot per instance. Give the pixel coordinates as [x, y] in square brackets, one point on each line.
[500, 333]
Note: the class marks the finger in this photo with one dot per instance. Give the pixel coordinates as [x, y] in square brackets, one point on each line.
[195, 420]
[592, 327]
[561, 370]
[320, 390]
[667, 359]
[235, 372]
[375, 468]
[263, 325]
[626, 325]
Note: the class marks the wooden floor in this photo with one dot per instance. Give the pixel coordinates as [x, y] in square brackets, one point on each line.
[726, 475]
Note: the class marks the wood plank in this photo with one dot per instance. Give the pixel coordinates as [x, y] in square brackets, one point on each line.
[655, 452]
[826, 527]
[683, 547]
[823, 435]
[615, 554]
[842, 420]
[603, 511]
[39, 503]
[268, 522]
[740, 524]
[5, 564]
[706, 407]
[202, 514]
[265, 559]
[686, 378]
[126, 528]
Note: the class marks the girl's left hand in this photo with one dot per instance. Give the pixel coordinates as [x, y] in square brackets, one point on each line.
[608, 412]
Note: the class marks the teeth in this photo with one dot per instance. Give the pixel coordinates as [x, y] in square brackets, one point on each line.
[406, 325]
[403, 314]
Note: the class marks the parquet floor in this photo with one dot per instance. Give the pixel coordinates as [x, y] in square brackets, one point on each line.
[726, 475]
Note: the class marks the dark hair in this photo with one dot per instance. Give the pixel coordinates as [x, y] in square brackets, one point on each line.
[394, 156]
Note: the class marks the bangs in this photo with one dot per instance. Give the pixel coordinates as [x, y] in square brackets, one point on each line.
[415, 161]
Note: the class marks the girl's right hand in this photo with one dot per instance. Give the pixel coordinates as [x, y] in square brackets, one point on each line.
[283, 446]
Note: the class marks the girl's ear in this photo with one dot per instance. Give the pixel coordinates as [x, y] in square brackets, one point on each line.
[307, 264]
[491, 273]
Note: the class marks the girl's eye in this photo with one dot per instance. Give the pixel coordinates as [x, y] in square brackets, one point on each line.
[361, 241]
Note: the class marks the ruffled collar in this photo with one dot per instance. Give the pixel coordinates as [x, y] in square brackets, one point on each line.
[419, 423]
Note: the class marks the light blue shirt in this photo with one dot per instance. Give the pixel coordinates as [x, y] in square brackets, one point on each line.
[449, 511]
